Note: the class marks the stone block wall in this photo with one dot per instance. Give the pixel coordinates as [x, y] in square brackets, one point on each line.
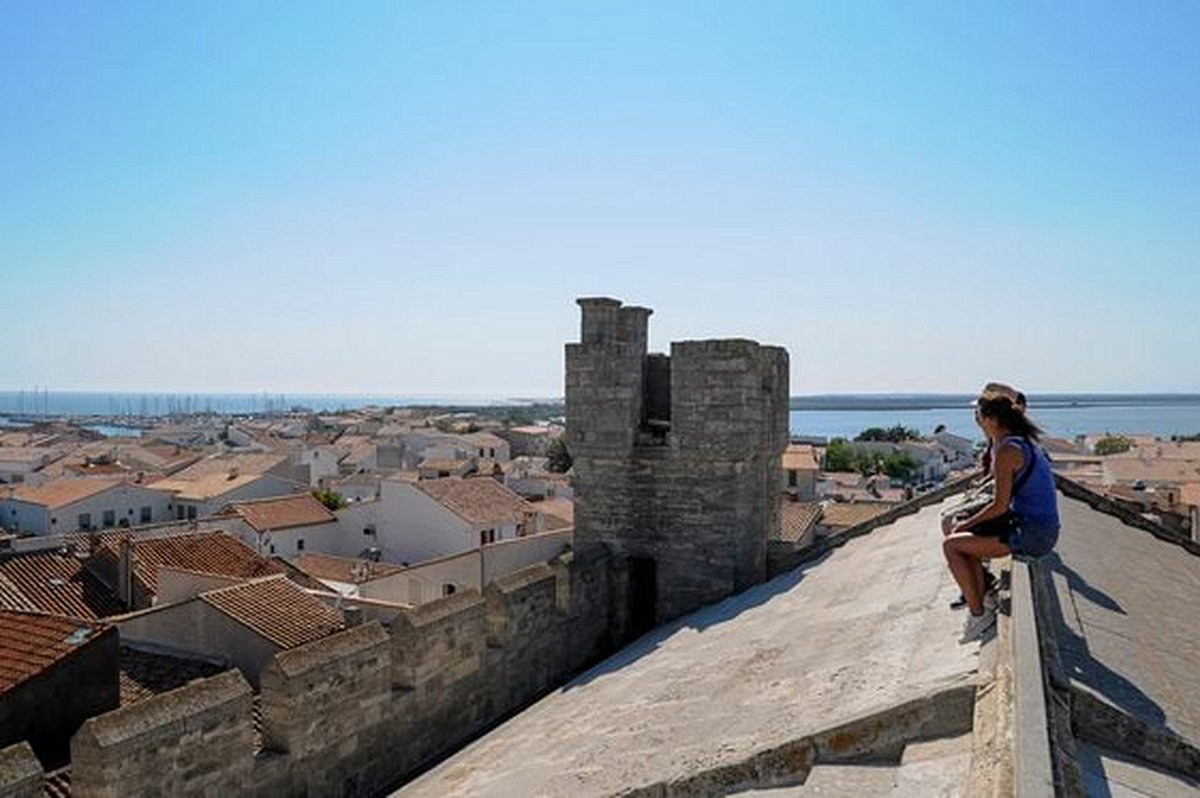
[677, 461]
[197, 740]
[354, 713]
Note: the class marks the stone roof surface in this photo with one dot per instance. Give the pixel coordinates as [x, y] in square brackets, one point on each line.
[478, 501]
[55, 582]
[32, 642]
[1124, 608]
[278, 609]
[282, 512]
[864, 629]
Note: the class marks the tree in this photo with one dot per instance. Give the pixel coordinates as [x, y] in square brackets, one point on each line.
[559, 455]
[839, 456]
[900, 465]
[1113, 444]
[897, 434]
[330, 498]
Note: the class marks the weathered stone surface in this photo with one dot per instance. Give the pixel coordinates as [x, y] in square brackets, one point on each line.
[1122, 613]
[196, 740]
[20, 772]
[864, 631]
[676, 461]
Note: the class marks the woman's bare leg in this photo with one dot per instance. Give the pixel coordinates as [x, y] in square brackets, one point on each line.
[965, 553]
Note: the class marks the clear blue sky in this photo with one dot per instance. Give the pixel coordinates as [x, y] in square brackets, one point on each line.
[406, 198]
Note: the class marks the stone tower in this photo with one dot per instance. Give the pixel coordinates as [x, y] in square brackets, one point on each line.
[677, 461]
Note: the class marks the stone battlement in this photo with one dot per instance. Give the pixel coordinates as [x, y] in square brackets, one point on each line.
[353, 713]
[677, 461]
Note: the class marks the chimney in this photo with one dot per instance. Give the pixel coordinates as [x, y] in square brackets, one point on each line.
[125, 571]
[352, 615]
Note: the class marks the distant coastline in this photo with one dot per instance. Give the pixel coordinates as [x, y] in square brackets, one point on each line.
[884, 402]
[133, 405]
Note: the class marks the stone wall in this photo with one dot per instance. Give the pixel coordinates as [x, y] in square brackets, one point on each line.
[355, 713]
[677, 461]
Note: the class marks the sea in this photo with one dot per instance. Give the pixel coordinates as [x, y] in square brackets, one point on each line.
[828, 416]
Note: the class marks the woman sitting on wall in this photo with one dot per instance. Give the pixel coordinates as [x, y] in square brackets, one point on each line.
[1022, 517]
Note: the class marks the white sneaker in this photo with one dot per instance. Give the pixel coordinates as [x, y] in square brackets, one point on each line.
[976, 625]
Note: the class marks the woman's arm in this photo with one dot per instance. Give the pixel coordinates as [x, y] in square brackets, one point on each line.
[1008, 462]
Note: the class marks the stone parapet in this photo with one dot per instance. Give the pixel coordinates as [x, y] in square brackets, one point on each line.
[21, 774]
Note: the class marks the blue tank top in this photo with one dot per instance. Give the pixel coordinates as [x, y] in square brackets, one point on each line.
[1036, 503]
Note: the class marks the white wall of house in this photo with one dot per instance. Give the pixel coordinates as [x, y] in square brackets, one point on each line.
[411, 527]
[264, 487]
[195, 627]
[19, 516]
[322, 462]
[123, 504]
[428, 581]
[18, 469]
[470, 569]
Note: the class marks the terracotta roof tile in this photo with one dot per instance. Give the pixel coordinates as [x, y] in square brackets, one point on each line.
[58, 582]
[796, 519]
[842, 515]
[477, 501]
[61, 492]
[31, 642]
[799, 457]
[281, 512]
[206, 487]
[277, 609]
[206, 552]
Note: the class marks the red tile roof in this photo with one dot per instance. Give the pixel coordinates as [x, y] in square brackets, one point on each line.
[206, 552]
[796, 518]
[344, 569]
[57, 582]
[278, 609]
[281, 512]
[842, 515]
[61, 492]
[31, 642]
[477, 501]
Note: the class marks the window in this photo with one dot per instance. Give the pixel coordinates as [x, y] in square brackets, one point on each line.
[299, 544]
[492, 453]
[791, 478]
[272, 548]
[448, 589]
[368, 530]
[179, 511]
[85, 520]
[487, 536]
[191, 512]
[146, 515]
[110, 518]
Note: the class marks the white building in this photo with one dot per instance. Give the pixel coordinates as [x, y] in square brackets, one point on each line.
[73, 505]
[204, 496]
[284, 525]
[18, 462]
